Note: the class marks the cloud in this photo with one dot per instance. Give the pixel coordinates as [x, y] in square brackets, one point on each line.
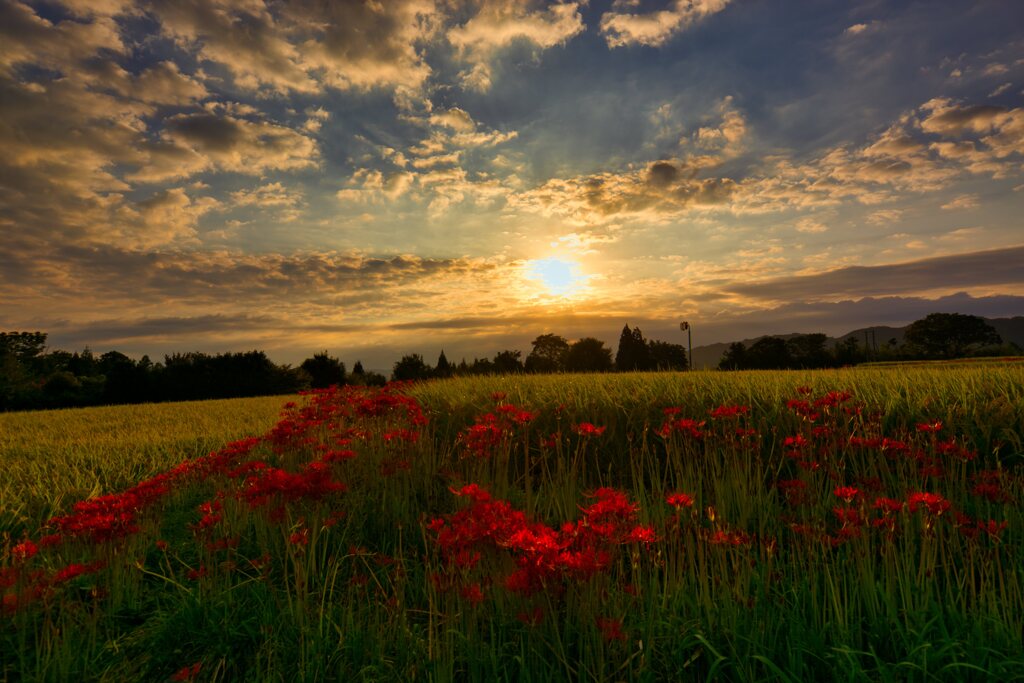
[655, 28]
[964, 201]
[362, 45]
[663, 189]
[499, 24]
[1000, 89]
[978, 270]
[810, 226]
[211, 140]
[885, 217]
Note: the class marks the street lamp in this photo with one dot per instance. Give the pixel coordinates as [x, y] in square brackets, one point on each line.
[689, 343]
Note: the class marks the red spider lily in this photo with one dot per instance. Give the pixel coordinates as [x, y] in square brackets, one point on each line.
[516, 415]
[472, 593]
[473, 492]
[551, 442]
[991, 492]
[24, 550]
[847, 493]
[531, 618]
[611, 506]
[642, 534]
[611, 629]
[832, 399]
[587, 429]
[684, 426]
[952, 448]
[162, 545]
[196, 574]
[731, 538]
[804, 390]
[499, 396]
[932, 502]
[314, 483]
[929, 426]
[187, 673]
[74, 570]
[679, 500]
[848, 516]
[482, 438]
[299, 538]
[337, 455]
[795, 443]
[887, 505]
[726, 411]
[803, 409]
[992, 528]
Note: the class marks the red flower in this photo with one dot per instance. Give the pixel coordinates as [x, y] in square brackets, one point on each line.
[887, 505]
[611, 629]
[725, 411]
[587, 429]
[641, 534]
[24, 550]
[187, 673]
[934, 503]
[847, 493]
[929, 426]
[679, 500]
[472, 593]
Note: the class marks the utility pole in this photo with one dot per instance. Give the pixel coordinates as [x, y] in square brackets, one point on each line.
[689, 343]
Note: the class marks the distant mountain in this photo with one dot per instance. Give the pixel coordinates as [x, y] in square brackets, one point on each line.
[1010, 329]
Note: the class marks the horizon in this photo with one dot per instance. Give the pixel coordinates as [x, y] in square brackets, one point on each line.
[414, 176]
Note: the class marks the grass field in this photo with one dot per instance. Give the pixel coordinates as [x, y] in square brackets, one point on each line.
[859, 525]
[53, 458]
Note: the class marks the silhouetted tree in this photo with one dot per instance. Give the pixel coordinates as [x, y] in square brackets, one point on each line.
[588, 355]
[950, 335]
[734, 358]
[508, 362]
[324, 370]
[481, 366]
[548, 354]
[633, 353]
[769, 353]
[443, 367]
[411, 367]
[666, 356]
[357, 369]
[808, 351]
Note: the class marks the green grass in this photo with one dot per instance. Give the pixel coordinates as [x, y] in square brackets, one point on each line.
[748, 584]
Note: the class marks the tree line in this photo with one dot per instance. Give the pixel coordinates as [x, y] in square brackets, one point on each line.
[937, 336]
[552, 353]
[32, 377]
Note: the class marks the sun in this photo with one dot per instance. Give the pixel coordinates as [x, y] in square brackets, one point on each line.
[560, 277]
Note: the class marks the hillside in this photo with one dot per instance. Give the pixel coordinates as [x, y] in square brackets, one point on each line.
[1010, 329]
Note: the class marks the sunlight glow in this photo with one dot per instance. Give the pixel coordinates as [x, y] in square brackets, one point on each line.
[560, 277]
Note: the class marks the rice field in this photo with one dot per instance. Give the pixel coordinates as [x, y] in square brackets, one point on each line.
[859, 524]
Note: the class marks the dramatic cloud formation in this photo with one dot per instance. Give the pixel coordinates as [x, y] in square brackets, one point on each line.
[655, 28]
[305, 175]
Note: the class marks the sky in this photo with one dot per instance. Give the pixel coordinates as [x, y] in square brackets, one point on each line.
[382, 177]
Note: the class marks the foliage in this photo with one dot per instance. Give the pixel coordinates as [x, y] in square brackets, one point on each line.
[411, 367]
[950, 335]
[548, 354]
[324, 370]
[588, 355]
